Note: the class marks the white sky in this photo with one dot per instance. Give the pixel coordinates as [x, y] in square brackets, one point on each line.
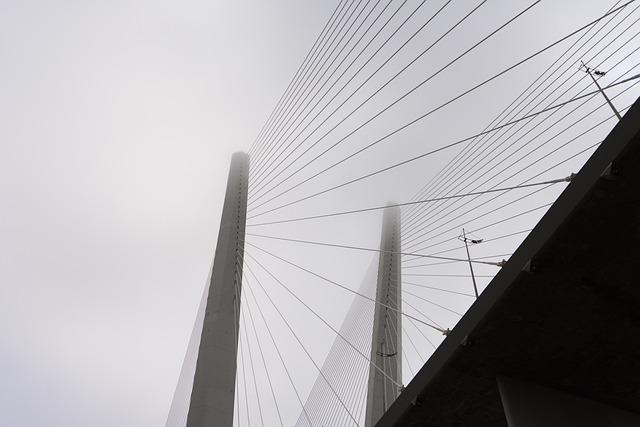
[118, 120]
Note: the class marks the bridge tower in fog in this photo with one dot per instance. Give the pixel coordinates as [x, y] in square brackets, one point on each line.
[386, 343]
[212, 396]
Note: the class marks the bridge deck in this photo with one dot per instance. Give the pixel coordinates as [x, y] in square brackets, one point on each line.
[571, 323]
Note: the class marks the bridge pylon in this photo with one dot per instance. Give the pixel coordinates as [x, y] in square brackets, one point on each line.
[212, 395]
[386, 343]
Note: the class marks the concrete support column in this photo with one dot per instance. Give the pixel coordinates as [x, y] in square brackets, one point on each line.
[531, 405]
[386, 344]
[212, 396]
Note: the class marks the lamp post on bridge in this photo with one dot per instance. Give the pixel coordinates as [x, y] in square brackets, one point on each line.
[588, 70]
[466, 245]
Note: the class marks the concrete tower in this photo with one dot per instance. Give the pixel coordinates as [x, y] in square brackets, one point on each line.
[386, 344]
[214, 382]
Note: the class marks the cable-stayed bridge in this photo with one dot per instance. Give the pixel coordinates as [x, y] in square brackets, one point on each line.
[367, 273]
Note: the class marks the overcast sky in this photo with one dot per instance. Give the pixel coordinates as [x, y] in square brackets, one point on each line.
[117, 123]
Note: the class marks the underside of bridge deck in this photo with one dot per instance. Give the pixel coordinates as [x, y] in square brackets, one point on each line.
[563, 313]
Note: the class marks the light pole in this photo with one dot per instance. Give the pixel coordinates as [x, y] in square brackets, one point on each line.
[599, 73]
[466, 245]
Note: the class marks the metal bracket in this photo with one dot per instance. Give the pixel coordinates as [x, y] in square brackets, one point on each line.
[611, 172]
